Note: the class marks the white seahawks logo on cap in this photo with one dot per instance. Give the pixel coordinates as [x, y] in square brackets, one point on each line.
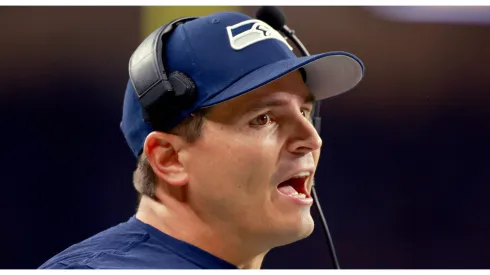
[249, 32]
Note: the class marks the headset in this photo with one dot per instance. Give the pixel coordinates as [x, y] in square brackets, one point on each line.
[161, 95]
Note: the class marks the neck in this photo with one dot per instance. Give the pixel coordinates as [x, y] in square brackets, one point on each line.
[181, 222]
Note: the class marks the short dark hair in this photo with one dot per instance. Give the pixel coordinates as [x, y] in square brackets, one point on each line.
[190, 130]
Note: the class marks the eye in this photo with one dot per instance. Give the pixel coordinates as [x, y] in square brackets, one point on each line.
[306, 113]
[261, 120]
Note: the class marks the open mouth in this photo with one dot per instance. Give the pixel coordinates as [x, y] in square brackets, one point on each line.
[295, 187]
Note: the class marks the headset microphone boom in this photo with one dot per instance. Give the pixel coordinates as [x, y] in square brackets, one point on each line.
[276, 19]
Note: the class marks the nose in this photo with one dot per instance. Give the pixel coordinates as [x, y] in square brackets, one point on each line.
[304, 137]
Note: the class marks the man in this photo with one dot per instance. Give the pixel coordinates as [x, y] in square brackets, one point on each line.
[231, 177]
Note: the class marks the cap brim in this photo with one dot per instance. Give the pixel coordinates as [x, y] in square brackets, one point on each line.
[328, 74]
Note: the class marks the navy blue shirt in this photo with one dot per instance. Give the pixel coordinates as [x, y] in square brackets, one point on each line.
[134, 245]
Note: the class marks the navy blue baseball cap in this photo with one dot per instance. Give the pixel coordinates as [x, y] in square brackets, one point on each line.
[228, 54]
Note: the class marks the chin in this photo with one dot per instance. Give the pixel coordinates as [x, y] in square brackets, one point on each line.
[306, 228]
[297, 232]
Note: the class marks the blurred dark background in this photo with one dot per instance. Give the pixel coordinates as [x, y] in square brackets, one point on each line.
[404, 172]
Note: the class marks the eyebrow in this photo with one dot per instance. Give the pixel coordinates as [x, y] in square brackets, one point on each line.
[275, 102]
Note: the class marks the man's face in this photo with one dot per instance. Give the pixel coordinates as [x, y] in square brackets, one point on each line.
[249, 146]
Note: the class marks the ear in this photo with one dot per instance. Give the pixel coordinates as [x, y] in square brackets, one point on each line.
[162, 152]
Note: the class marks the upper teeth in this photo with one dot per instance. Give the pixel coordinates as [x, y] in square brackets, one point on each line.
[302, 174]
[298, 195]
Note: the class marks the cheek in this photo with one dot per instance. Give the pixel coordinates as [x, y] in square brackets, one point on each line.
[316, 156]
[232, 167]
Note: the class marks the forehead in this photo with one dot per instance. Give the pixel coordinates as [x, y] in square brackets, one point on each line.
[290, 87]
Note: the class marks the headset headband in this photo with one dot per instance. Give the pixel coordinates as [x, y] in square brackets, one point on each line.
[159, 94]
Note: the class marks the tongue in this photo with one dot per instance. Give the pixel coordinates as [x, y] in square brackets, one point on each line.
[287, 190]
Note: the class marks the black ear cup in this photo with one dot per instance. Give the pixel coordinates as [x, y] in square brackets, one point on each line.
[184, 89]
